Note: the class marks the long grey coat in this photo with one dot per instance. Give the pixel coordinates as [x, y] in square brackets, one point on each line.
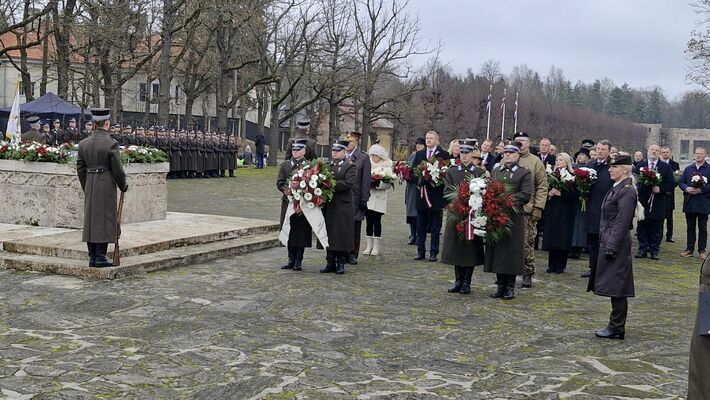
[507, 256]
[410, 196]
[466, 253]
[363, 179]
[100, 202]
[615, 278]
[698, 382]
[338, 212]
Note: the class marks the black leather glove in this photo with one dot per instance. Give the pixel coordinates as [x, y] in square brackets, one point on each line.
[363, 205]
[610, 255]
[125, 188]
[421, 182]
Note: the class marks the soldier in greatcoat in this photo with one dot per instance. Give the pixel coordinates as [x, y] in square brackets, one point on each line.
[339, 211]
[184, 145]
[232, 155]
[300, 235]
[200, 143]
[506, 257]
[33, 134]
[361, 190]
[463, 254]
[613, 275]
[56, 135]
[71, 134]
[224, 154]
[174, 156]
[100, 172]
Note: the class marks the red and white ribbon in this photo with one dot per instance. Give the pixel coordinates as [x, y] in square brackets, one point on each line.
[469, 226]
[423, 193]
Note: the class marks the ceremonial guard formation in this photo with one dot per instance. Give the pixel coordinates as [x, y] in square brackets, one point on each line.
[100, 172]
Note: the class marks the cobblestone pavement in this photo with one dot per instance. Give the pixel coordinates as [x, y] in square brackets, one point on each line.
[241, 328]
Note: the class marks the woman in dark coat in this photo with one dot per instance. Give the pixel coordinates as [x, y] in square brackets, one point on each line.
[613, 275]
[410, 197]
[506, 257]
[464, 254]
[300, 235]
[559, 219]
[579, 232]
[698, 382]
[339, 211]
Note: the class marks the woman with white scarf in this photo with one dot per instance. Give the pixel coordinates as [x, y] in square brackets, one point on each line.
[377, 205]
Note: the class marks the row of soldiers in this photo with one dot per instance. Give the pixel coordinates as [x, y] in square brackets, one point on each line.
[191, 155]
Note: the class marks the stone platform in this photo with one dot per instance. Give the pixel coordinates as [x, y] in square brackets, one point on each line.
[180, 239]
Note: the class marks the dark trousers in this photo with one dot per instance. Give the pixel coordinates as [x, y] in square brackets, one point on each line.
[259, 160]
[649, 233]
[374, 223]
[430, 219]
[358, 232]
[619, 309]
[507, 280]
[701, 220]
[557, 260]
[593, 247]
[669, 221]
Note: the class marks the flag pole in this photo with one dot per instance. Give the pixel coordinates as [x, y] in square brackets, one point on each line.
[488, 105]
[515, 130]
[502, 106]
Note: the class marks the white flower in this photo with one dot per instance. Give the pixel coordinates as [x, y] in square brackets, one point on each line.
[300, 173]
[302, 184]
[297, 196]
[480, 221]
[314, 177]
[290, 198]
[310, 204]
[549, 169]
[479, 232]
[475, 202]
[308, 197]
[313, 184]
[317, 191]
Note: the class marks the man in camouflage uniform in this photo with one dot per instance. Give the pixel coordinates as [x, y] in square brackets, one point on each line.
[532, 210]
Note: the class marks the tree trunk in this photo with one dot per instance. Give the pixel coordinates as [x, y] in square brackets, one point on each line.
[222, 96]
[333, 117]
[164, 76]
[62, 31]
[189, 103]
[273, 136]
[45, 61]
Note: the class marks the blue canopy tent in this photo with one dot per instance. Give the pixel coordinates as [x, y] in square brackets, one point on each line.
[48, 107]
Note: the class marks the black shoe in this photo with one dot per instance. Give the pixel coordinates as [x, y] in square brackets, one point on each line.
[101, 262]
[432, 258]
[586, 274]
[608, 333]
[654, 257]
[419, 257]
[508, 293]
[498, 293]
[670, 240]
[352, 259]
[340, 267]
[459, 280]
[412, 240]
[549, 270]
[640, 254]
[575, 256]
[297, 265]
[92, 255]
[290, 264]
[527, 281]
[466, 287]
[467, 273]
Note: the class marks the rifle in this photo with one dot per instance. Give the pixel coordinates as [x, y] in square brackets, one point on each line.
[116, 247]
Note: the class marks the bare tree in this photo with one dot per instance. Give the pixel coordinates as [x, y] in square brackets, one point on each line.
[699, 47]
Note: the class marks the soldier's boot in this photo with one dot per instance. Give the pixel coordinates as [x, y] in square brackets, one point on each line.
[368, 248]
[291, 259]
[501, 281]
[412, 234]
[231, 173]
[509, 291]
[221, 173]
[340, 264]
[467, 273]
[329, 264]
[459, 280]
[298, 258]
[100, 250]
[527, 281]
[351, 258]
[375, 246]
[92, 255]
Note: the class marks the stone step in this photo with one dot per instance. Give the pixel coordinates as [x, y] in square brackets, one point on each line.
[178, 230]
[142, 263]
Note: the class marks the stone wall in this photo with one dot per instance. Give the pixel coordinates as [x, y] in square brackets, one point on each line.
[49, 194]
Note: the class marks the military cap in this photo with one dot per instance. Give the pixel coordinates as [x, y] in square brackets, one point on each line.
[46, 123]
[72, 119]
[340, 145]
[352, 136]
[621, 160]
[299, 144]
[521, 134]
[57, 121]
[419, 140]
[467, 145]
[476, 154]
[100, 114]
[303, 123]
[512, 147]
[587, 143]
[33, 119]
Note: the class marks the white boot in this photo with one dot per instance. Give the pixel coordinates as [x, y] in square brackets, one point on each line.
[368, 249]
[375, 246]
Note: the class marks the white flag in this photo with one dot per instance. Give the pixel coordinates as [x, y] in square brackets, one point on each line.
[13, 123]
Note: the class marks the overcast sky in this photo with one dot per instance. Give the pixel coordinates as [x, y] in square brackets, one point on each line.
[640, 42]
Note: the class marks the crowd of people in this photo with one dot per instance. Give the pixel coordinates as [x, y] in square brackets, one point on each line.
[190, 154]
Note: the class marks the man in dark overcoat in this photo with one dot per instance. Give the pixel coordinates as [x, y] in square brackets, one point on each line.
[300, 235]
[361, 190]
[100, 172]
[698, 382]
[429, 215]
[670, 202]
[613, 275]
[696, 203]
[506, 257]
[653, 199]
[56, 135]
[596, 196]
[339, 211]
[33, 134]
[260, 144]
[71, 134]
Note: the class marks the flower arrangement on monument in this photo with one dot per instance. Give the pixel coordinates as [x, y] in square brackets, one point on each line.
[32, 151]
[560, 179]
[312, 186]
[584, 178]
[141, 154]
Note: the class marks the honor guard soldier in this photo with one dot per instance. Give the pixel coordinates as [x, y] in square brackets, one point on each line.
[361, 190]
[46, 134]
[303, 127]
[100, 172]
[88, 129]
[71, 134]
[33, 134]
[339, 211]
[56, 135]
[300, 235]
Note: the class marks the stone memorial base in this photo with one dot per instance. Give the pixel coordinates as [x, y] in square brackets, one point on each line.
[179, 239]
[49, 194]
